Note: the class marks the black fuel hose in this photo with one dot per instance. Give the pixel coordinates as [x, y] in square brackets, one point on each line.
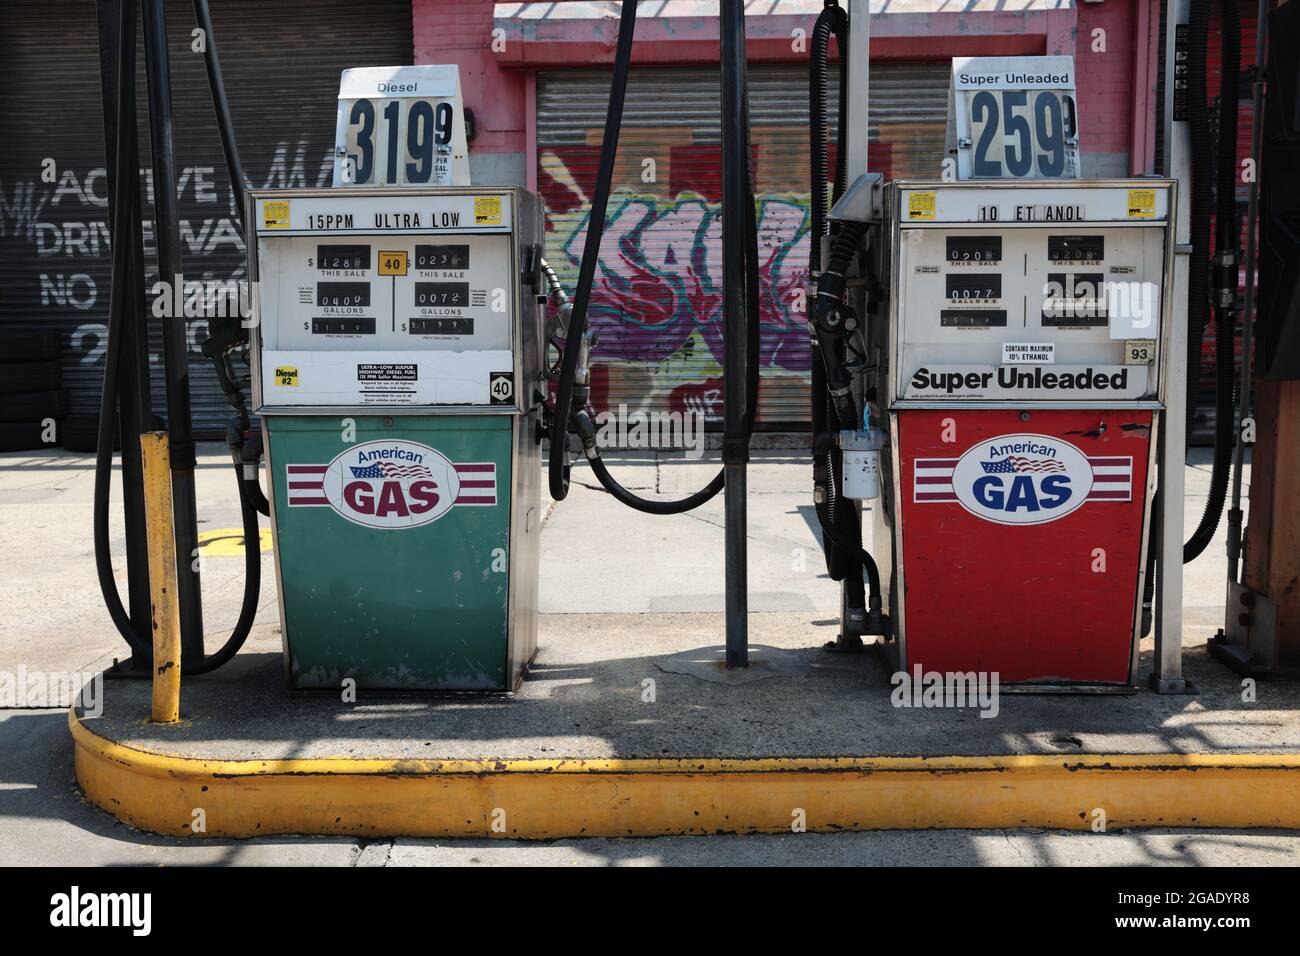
[1198, 273]
[649, 506]
[1225, 281]
[230, 148]
[220, 106]
[126, 197]
[840, 525]
[558, 470]
[836, 521]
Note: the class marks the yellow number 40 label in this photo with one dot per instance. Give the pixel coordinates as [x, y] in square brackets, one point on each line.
[392, 263]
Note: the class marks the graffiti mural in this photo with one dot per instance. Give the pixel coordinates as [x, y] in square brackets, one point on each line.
[656, 302]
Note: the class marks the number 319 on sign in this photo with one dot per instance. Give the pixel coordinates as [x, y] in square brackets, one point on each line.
[400, 126]
[398, 142]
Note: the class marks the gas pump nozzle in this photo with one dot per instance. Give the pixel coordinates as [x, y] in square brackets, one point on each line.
[833, 321]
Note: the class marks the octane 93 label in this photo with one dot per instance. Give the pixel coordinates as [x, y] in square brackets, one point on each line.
[392, 483]
[1023, 479]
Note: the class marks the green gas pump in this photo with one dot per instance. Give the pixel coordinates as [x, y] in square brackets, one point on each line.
[397, 357]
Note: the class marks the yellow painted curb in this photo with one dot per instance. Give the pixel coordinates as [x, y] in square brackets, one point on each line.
[547, 799]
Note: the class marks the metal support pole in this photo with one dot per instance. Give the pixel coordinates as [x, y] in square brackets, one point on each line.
[175, 353]
[166, 707]
[1167, 674]
[1235, 514]
[114, 18]
[859, 55]
[856, 145]
[735, 305]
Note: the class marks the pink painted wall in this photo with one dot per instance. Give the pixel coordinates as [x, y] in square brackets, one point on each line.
[497, 82]
[1103, 58]
[460, 32]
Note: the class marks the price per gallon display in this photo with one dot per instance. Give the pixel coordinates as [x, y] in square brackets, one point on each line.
[398, 142]
[1022, 133]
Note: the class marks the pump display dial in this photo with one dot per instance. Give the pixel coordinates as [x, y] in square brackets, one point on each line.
[1076, 248]
[974, 250]
[343, 294]
[331, 257]
[973, 286]
[454, 257]
[343, 325]
[973, 318]
[441, 294]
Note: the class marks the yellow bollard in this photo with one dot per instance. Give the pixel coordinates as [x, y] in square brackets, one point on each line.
[155, 460]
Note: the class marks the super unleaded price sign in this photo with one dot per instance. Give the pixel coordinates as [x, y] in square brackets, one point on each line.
[1014, 118]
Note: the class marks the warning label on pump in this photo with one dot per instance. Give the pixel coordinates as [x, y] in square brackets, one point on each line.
[921, 206]
[275, 215]
[487, 210]
[386, 372]
[1141, 203]
[387, 383]
[1028, 353]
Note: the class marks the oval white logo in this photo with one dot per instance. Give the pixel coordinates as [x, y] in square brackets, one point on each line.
[393, 483]
[1022, 479]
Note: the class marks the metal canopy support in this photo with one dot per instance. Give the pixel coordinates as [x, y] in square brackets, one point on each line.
[1167, 674]
[171, 270]
[737, 211]
[855, 137]
[855, 143]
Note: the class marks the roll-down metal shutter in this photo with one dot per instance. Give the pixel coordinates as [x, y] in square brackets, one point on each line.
[281, 61]
[657, 299]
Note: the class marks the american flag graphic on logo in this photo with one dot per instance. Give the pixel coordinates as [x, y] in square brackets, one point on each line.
[390, 469]
[1112, 477]
[1019, 465]
[478, 481]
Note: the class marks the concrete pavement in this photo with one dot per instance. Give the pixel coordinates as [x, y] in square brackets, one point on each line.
[599, 558]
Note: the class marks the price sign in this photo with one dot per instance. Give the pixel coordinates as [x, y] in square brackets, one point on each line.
[1014, 118]
[400, 126]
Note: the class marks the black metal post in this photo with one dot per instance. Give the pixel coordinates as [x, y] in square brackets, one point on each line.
[175, 353]
[116, 21]
[1236, 516]
[735, 309]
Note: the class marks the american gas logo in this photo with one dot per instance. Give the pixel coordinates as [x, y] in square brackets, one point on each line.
[392, 484]
[1023, 479]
